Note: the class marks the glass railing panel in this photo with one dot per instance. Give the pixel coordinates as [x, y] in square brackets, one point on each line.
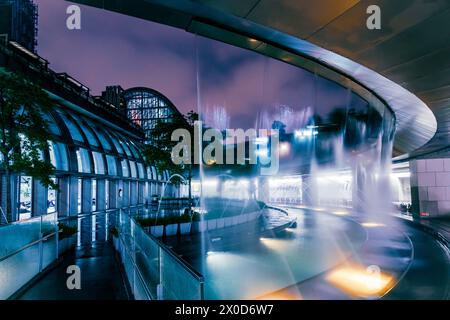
[17, 270]
[19, 234]
[177, 282]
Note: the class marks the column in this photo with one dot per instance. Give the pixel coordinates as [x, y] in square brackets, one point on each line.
[63, 202]
[100, 221]
[86, 208]
[430, 187]
[39, 198]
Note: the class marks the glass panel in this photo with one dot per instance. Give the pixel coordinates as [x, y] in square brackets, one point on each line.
[141, 171]
[94, 195]
[135, 150]
[58, 156]
[25, 197]
[133, 169]
[80, 190]
[52, 198]
[125, 171]
[177, 283]
[102, 136]
[154, 176]
[51, 124]
[112, 168]
[87, 131]
[107, 197]
[116, 143]
[84, 164]
[98, 163]
[17, 270]
[73, 129]
[16, 235]
[124, 145]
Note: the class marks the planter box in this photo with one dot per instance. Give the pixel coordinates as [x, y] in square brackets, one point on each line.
[171, 230]
[199, 226]
[185, 228]
[220, 223]
[212, 224]
[66, 244]
[157, 231]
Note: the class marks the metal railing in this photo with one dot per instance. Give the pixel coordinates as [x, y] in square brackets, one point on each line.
[154, 271]
[26, 249]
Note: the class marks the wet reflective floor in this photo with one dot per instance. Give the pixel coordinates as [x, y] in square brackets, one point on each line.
[328, 256]
[101, 278]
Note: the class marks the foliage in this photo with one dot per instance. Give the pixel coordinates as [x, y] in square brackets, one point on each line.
[159, 151]
[23, 130]
[66, 230]
[115, 232]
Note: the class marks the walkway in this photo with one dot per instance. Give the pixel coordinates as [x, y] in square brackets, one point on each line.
[101, 278]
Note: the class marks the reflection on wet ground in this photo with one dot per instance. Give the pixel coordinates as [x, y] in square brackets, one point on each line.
[328, 256]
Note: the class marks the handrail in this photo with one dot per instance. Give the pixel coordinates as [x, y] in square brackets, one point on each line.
[93, 213]
[42, 239]
[169, 251]
[136, 268]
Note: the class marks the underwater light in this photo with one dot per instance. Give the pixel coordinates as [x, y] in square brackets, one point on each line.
[357, 280]
[372, 224]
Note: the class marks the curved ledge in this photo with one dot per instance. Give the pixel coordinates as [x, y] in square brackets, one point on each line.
[415, 122]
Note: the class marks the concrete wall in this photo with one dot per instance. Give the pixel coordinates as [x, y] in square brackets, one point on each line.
[430, 186]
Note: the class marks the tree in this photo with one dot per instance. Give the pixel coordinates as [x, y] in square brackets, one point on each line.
[159, 150]
[23, 131]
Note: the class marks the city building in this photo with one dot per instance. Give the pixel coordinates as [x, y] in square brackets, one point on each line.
[146, 107]
[18, 22]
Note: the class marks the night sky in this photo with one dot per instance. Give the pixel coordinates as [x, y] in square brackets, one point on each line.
[115, 49]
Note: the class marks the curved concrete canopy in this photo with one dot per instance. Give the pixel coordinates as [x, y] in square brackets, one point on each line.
[407, 49]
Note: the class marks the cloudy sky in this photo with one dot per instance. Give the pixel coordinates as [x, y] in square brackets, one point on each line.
[114, 49]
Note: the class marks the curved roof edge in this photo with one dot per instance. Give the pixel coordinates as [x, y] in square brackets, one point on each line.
[415, 122]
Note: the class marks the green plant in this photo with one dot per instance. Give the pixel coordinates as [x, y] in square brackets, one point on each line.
[66, 230]
[115, 232]
[184, 218]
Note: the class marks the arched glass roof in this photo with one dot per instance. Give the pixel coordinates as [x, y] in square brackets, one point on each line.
[82, 145]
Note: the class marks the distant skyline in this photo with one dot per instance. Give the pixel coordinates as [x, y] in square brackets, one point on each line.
[115, 49]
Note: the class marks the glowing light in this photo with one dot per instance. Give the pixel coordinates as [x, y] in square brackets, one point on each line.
[401, 174]
[357, 280]
[199, 210]
[372, 224]
[285, 148]
[261, 140]
[281, 296]
[274, 244]
[340, 213]
[262, 152]
[305, 133]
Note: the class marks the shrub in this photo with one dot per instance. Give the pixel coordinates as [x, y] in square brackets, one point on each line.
[66, 231]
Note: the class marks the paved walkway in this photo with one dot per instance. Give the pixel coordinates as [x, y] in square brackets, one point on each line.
[101, 278]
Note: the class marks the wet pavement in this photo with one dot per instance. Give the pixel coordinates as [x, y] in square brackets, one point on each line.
[101, 278]
[325, 257]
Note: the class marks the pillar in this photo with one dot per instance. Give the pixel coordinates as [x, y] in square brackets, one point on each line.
[100, 220]
[39, 199]
[86, 208]
[430, 187]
